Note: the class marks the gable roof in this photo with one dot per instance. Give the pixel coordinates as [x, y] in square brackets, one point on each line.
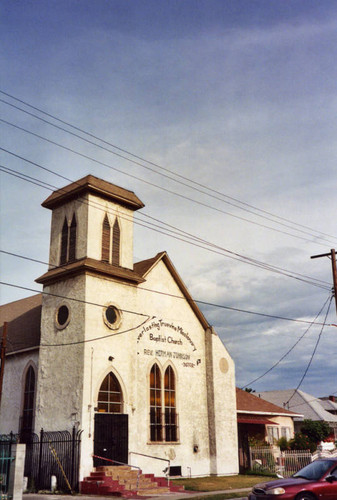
[23, 319]
[249, 403]
[308, 405]
[144, 267]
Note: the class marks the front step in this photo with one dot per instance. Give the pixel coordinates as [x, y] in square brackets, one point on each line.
[122, 481]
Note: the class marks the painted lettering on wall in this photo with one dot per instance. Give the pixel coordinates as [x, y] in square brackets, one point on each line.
[159, 353]
[157, 325]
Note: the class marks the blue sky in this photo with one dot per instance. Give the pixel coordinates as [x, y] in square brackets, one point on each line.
[237, 95]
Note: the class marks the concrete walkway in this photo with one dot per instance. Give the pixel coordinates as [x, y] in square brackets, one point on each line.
[169, 496]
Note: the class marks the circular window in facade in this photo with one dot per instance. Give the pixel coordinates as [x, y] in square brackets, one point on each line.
[112, 316]
[224, 367]
[62, 316]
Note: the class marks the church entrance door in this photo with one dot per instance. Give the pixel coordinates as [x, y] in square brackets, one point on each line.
[111, 438]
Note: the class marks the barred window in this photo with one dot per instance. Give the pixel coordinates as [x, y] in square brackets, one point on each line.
[163, 424]
[170, 405]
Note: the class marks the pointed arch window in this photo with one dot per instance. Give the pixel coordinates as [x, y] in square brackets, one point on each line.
[163, 424]
[72, 239]
[106, 230]
[116, 236]
[110, 397]
[28, 401]
[156, 433]
[68, 241]
[170, 405]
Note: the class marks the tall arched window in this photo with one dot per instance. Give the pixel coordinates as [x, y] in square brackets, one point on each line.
[72, 240]
[28, 401]
[64, 242]
[116, 236]
[68, 241]
[170, 405]
[110, 397]
[156, 433]
[106, 230]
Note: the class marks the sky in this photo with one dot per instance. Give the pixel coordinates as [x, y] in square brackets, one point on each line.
[223, 118]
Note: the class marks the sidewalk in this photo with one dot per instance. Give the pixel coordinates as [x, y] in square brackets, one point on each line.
[169, 496]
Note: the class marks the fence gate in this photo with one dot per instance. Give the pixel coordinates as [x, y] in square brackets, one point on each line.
[6, 459]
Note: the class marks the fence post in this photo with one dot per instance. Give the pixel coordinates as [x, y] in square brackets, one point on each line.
[40, 460]
[15, 483]
[72, 458]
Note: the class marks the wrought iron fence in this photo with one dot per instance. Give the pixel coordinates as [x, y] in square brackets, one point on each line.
[52, 454]
[6, 442]
[274, 461]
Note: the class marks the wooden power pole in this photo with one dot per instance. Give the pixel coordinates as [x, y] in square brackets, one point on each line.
[331, 254]
[2, 356]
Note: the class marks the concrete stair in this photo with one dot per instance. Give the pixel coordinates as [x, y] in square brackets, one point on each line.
[122, 481]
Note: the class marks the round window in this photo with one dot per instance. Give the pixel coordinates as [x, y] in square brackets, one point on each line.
[62, 316]
[112, 316]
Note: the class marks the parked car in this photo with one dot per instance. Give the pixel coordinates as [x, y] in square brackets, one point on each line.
[316, 481]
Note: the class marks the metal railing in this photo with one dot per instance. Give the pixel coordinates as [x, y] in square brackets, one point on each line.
[166, 471]
[121, 463]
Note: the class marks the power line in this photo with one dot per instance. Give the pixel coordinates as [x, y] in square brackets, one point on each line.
[197, 301]
[194, 183]
[156, 185]
[196, 241]
[313, 354]
[289, 350]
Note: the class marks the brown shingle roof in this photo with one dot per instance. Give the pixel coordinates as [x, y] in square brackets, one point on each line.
[93, 184]
[248, 403]
[23, 318]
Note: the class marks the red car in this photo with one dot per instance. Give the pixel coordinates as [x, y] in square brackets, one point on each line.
[316, 481]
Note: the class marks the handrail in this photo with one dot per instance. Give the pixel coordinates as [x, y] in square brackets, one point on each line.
[166, 471]
[121, 463]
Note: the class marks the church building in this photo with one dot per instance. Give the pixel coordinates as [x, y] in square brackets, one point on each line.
[117, 349]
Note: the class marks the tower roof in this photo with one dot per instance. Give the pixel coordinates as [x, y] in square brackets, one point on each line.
[95, 185]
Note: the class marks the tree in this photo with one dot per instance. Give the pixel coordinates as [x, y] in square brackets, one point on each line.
[316, 431]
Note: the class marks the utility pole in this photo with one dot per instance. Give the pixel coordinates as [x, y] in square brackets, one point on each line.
[331, 254]
[2, 356]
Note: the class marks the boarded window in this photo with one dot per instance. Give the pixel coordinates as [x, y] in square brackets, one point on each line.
[64, 243]
[28, 401]
[106, 230]
[116, 235]
[72, 240]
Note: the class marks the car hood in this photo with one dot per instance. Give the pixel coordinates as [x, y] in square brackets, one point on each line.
[282, 483]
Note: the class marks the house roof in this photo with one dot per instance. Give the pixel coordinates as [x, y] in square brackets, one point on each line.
[23, 323]
[328, 405]
[247, 402]
[95, 185]
[300, 401]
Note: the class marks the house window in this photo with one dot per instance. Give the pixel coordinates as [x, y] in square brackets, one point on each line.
[273, 434]
[163, 424]
[286, 433]
[28, 401]
[106, 230]
[110, 397]
[116, 235]
[68, 241]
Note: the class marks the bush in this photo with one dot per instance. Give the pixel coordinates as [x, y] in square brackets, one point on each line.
[316, 431]
[302, 442]
[283, 444]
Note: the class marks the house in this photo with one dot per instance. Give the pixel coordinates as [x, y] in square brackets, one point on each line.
[260, 421]
[311, 407]
[329, 404]
[116, 349]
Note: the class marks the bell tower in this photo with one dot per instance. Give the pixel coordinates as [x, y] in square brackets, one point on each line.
[91, 245]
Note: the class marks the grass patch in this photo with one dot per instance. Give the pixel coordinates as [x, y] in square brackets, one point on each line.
[216, 483]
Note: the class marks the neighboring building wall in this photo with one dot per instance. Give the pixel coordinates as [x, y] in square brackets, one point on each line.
[16, 367]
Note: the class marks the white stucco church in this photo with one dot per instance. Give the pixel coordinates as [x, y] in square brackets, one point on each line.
[120, 350]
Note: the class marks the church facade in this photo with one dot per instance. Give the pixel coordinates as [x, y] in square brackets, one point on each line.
[117, 349]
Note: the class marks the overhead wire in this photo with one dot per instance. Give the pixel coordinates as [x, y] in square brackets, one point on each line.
[313, 353]
[289, 350]
[198, 202]
[180, 176]
[181, 235]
